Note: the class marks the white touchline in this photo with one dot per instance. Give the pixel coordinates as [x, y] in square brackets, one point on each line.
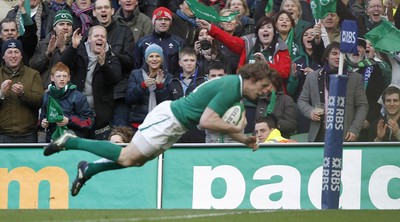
[165, 218]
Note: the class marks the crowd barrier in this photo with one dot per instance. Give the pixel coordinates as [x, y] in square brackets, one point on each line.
[200, 176]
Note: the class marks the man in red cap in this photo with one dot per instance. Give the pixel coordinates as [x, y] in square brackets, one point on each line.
[171, 44]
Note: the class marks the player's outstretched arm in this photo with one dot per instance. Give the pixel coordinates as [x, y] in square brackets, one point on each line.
[212, 121]
[249, 141]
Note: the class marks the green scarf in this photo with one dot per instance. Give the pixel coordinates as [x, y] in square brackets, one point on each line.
[271, 104]
[55, 112]
[364, 63]
[57, 93]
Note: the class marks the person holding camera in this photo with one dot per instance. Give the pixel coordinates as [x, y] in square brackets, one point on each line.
[208, 50]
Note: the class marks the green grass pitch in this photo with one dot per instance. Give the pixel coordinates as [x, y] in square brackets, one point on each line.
[198, 215]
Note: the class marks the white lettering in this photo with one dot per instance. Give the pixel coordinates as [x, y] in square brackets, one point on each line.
[379, 187]
[203, 177]
[288, 187]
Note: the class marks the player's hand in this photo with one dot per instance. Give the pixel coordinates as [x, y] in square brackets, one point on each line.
[252, 142]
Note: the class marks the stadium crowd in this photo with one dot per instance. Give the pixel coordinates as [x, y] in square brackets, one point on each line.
[91, 66]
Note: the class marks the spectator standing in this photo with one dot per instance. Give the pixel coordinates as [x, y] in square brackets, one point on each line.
[148, 86]
[82, 13]
[295, 10]
[386, 127]
[9, 30]
[208, 50]
[247, 24]
[189, 79]
[374, 83]
[78, 115]
[40, 15]
[301, 66]
[129, 15]
[171, 44]
[315, 91]
[95, 71]
[21, 94]
[49, 50]
[263, 46]
[121, 40]
[54, 7]
[229, 27]
[184, 23]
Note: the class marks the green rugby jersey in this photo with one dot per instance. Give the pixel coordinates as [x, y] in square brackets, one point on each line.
[218, 94]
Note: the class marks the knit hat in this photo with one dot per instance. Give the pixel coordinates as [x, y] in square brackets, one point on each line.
[154, 48]
[11, 43]
[62, 16]
[161, 12]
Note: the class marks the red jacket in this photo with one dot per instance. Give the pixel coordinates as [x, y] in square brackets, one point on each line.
[281, 64]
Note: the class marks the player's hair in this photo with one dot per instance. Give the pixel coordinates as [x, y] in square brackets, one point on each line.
[61, 67]
[257, 71]
[216, 65]
[275, 79]
[125, 132]
[270, 119]
[389, 91]
[187, 51]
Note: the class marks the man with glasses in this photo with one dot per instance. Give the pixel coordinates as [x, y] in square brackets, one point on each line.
[122, 44]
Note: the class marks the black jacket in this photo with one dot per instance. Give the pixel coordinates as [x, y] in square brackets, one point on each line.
[104, 79]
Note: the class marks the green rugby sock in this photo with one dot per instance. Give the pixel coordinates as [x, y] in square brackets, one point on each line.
[101, 148]
[100, 166]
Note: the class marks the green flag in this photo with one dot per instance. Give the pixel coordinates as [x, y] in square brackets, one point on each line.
[208, 13]
[21, 28]
[385, 37]
[290, 43]
[321, 8]
[269, 7]
[55, 114]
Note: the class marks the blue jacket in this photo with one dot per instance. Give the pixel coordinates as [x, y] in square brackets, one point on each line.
[171, 45]
[75, 108]
[138, 95]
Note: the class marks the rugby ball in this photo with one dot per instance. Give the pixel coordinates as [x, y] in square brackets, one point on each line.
[234, 114]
